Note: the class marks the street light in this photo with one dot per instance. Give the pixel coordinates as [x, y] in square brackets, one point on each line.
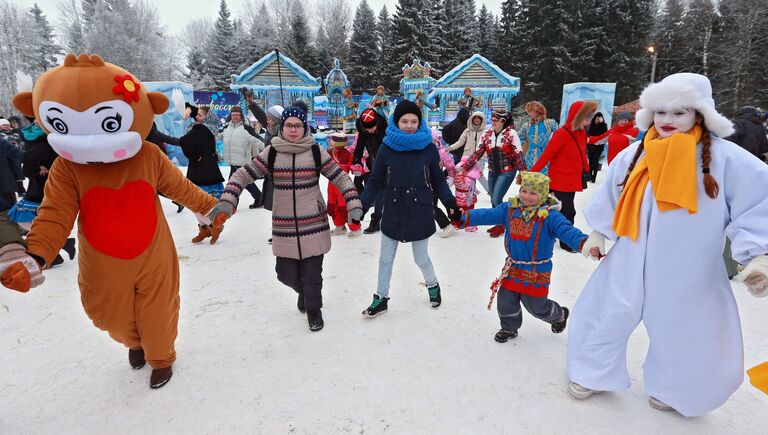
[652, 51]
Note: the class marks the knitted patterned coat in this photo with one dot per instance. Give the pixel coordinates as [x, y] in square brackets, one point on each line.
[299, 221]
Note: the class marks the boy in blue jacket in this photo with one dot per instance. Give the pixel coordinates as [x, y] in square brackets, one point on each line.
[532, 224]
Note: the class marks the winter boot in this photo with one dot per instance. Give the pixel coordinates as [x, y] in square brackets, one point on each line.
[256, 204]
[354, 233]
[69, 248]
[215, 233]
[204, 231]
[269, 241]
[658, 404]
[558, 327]
[160, 377]
[578, 392]
[378, 306]
[315, 319]
[339, 231]
[434, 295]
[374, 225]
[58, 260]
[445, 232]
[300, 303]
[504, 335]
[497, 231]
[136, 358]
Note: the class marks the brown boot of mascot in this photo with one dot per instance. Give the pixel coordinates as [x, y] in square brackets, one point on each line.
[136, 358]
[160, 377]
[215, 233]
[204, 231]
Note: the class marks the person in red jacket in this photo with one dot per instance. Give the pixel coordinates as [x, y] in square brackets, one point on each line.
[620, 136]
[566, 154]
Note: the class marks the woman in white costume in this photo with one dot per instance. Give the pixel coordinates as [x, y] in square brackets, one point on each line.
[669, 202]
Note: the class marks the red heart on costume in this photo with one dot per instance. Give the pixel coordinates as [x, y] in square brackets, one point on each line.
[121, 222]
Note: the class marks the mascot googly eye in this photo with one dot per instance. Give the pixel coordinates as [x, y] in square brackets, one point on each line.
[102, 121]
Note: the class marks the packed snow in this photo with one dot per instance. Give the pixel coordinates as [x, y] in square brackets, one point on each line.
[247, 362]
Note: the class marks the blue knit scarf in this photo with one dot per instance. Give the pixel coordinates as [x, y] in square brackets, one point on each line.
[399, 140]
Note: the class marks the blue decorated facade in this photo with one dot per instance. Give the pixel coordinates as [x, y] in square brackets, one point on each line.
[493, 87]
[264, 77]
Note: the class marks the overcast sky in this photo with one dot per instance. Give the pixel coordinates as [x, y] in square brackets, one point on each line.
[176, 13]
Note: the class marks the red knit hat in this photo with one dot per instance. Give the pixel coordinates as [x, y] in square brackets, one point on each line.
[368, 118]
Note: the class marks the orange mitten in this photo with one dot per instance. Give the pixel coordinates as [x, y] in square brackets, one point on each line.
[758, 376]
[223, 211]
[19, 271]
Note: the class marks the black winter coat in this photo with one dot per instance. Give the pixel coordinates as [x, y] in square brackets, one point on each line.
[749, 132]
[199, 145]
[369, 141]
[408, 179]
[10, 156]
[39, 153]
[453, 130]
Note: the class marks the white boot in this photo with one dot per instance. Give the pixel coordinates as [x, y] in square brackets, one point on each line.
[578, 392]
[445, 232]
[339, 231]
[658, 404]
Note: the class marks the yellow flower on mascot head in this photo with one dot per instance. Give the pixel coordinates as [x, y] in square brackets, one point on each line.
[93, 111]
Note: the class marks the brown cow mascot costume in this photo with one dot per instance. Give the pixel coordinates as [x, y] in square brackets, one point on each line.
[97, 115]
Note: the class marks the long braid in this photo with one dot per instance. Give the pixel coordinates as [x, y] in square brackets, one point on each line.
[710, 184]
[639, 151]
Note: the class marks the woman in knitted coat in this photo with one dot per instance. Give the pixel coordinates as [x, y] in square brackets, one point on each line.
[300, 230]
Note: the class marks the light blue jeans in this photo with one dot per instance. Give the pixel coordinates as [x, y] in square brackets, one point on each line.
[387, 258]
[499, 184]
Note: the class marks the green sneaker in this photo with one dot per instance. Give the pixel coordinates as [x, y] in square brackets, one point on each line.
[434, 295]
[378, 306]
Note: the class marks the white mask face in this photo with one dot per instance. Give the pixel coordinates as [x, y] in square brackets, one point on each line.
[671, 121]
[100, 134]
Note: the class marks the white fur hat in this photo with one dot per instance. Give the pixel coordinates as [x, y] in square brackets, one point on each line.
[678, 91]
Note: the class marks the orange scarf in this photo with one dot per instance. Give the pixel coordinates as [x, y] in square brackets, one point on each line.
[670, 165]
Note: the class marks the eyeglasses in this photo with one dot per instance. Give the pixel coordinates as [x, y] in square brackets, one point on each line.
[293, 126]
[495, 120]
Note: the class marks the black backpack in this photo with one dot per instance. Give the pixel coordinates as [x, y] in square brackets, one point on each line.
[273, 155]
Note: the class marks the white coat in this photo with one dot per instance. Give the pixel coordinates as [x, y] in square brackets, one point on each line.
[239, 146]
[673, 279]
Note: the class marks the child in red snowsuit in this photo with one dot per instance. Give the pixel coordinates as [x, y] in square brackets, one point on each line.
[337, 206]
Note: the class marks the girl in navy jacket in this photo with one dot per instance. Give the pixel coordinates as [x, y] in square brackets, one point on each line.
[407, 170]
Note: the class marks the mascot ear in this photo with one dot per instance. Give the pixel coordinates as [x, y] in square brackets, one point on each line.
[23, 103]
[159, 102]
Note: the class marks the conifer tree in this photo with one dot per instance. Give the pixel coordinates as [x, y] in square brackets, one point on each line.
[364, 51]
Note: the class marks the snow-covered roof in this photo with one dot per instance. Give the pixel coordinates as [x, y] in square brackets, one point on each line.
[264, 72]
[336, 77]
[495, 76]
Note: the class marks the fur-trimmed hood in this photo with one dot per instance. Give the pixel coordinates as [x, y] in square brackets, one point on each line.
[682, 91]
[479, 128]
[579, 112]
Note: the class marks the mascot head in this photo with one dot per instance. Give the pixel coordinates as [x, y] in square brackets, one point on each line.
[93, 111]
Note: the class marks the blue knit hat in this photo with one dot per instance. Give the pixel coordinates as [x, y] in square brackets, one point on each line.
[295, 111]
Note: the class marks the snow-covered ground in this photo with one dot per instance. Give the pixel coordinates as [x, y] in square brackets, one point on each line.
[247, 362]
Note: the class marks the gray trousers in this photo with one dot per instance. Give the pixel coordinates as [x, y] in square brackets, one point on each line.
[511, 315]
[730, 264]
[303, 276]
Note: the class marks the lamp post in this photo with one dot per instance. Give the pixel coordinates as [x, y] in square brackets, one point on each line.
[652, 50]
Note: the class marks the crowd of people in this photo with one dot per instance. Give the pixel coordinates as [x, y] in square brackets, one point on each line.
[675, 186]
